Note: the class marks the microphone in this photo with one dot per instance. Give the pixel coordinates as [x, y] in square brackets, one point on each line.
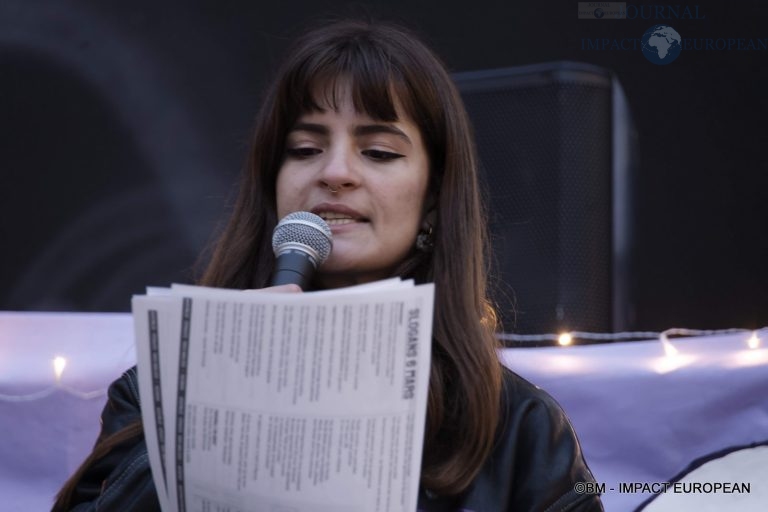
[301, 242]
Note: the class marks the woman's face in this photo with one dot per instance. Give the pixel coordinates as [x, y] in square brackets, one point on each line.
[379, 171]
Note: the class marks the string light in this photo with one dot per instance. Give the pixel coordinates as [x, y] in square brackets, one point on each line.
[672, 358]
[578, 335]
[625, 336]
[753, 355]
[753, 342]
[59, 363]
[29, 397]
[669, 348]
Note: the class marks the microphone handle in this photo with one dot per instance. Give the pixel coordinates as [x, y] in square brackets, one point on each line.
[293, 267]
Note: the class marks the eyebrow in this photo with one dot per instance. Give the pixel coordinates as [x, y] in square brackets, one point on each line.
[359, 131]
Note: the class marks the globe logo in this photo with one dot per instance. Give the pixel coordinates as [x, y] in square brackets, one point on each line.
[661, 44]
[599, 13]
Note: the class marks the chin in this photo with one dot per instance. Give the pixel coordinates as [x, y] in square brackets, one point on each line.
[350, 271]
[338, 265]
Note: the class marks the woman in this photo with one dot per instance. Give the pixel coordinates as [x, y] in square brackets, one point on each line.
[364, 127]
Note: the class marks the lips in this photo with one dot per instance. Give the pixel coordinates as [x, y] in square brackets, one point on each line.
[338, 214]
[336, 219]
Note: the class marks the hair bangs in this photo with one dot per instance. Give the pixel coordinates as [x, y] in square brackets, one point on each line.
[355, 67]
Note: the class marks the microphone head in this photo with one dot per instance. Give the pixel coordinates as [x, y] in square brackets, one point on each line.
[303, 231]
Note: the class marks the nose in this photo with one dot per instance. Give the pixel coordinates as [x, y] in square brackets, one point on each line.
[339, 171]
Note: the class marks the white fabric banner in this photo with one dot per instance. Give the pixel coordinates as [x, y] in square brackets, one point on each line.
[643, 417]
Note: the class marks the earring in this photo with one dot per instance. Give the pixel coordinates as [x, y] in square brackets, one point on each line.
[425, 240]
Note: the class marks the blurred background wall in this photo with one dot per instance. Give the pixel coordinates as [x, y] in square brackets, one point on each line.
[124, 125]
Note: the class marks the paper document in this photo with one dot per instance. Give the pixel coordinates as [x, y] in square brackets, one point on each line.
[285, 402]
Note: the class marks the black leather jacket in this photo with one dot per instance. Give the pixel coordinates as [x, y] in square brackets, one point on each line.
[534, 466]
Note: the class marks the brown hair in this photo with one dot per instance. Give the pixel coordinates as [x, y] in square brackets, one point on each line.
[103, 446]
[383, 63]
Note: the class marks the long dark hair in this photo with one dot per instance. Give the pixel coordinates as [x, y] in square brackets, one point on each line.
[384, 64]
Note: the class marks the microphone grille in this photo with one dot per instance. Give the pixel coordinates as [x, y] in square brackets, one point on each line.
[303, 228]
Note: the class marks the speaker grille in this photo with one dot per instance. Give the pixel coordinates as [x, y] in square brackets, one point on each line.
[544, 137]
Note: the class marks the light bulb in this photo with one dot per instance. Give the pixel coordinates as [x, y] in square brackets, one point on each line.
[669, 349]
[565, 339]
[58, 367]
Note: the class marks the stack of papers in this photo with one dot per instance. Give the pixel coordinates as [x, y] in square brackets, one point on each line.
[265, 401]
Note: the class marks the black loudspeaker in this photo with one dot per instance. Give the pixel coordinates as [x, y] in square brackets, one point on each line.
[556, 146]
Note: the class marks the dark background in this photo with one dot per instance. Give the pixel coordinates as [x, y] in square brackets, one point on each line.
[123, 127]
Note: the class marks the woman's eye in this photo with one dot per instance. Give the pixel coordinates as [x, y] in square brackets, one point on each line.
[302, 152]
[377, 154]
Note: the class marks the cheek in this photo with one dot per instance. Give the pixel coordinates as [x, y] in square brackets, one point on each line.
[413, 199]
[286, 194]
[406, 208]
[411, 206]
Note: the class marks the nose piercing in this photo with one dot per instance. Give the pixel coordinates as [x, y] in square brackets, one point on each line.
[331, 189]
